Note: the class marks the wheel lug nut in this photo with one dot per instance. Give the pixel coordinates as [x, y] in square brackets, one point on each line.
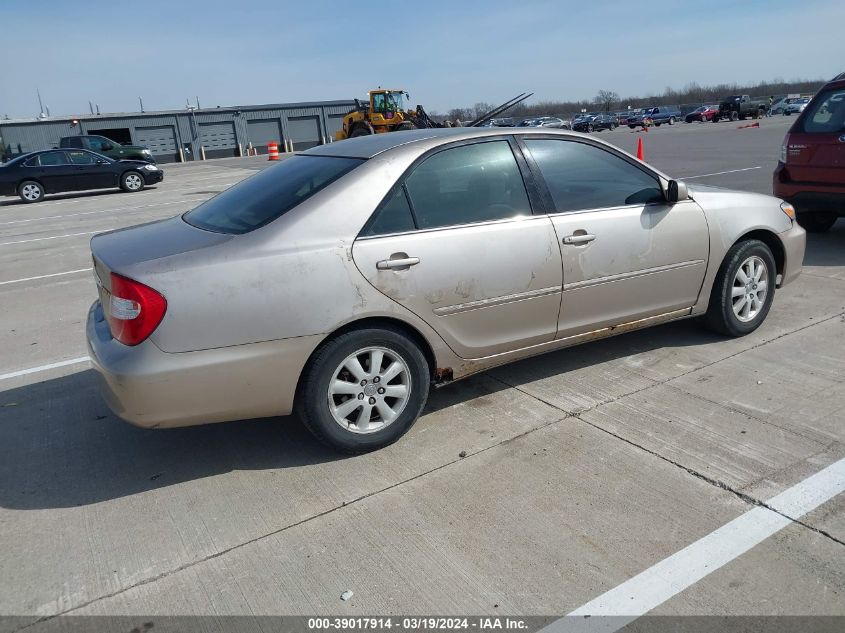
[377, 379]
[363, 382]
[372, 400]
[360, 396]
[381, 390]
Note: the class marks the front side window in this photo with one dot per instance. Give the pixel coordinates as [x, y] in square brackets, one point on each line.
[827, 114]
[81, 158]
[95, 144]
[378, 103]
[468, 184]
[581, 176]
[269, 194]
[49, 159]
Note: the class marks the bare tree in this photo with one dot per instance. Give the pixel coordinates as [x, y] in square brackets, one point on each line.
[606, 98]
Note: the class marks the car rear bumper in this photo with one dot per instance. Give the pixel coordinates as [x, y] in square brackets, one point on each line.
[794, 242]
[151, 388]
[808, 196]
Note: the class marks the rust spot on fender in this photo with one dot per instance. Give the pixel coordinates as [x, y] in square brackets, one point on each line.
[443, 374]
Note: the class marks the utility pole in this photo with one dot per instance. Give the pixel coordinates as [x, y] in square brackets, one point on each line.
[141, 101]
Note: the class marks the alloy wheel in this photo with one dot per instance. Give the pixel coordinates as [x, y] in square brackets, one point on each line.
[31, 192]
[750, 287]
[133, 181]
[369, 390]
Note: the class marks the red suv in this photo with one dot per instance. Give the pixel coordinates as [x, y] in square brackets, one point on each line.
[811, 172]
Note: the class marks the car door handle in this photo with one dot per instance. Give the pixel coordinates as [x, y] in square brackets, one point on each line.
[580, 238]
[390, 264]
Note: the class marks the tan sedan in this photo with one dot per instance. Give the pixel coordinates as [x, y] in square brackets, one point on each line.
[346, 281]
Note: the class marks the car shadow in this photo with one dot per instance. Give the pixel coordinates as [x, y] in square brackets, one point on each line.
[60, 446]
[71, 196]
[826, 249]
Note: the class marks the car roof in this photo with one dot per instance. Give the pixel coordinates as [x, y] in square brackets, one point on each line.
[375, 144]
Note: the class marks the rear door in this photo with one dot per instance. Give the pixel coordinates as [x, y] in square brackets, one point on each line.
[54, 171]
[456, 243]
[627, 253]
[816, 145]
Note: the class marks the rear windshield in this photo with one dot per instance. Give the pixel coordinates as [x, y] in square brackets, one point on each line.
[827, 113]
[269, 194]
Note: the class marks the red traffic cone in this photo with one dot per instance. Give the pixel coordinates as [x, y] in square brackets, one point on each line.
[640, 150]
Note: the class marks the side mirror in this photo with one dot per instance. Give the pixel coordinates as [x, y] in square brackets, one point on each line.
[677, 191]
[106, 147]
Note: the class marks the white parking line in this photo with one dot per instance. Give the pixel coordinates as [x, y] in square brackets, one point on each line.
[72, 215]
[719, 173]
[35, 370]
[67, 272]
[671, 576]
[54, 237]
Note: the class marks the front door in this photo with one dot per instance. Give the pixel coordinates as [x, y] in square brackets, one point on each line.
[88, 173]
[455, 243]
[627, 253]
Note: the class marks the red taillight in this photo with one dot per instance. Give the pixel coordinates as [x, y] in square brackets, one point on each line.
[135, 310]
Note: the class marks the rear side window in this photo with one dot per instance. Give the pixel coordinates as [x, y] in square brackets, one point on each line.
[269, 194]
[580, 176]
[467, 184]
[827, 113]
[393, 217]
[48, 159]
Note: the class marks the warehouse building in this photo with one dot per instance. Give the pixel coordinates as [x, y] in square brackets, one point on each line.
[190, 134]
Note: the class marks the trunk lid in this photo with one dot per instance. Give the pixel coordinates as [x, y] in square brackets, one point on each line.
[124, 251]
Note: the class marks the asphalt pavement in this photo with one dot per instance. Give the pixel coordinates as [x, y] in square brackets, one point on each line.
[594, 472]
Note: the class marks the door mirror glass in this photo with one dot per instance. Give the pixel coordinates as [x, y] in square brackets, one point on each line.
[677, 191]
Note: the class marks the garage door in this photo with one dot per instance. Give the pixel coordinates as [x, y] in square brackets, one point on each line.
[304, 132]
[335, 123]
[161, 141]
[262, 131]
[218, 139]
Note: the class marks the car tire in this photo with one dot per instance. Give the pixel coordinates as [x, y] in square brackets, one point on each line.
[735, 314]
[337, 427]
[132, 181]
[671, 120]
[632, 126]
[31, 191]
[612, 126]
[734, 116]
[814, 222]
[590, 127]
[361, 130]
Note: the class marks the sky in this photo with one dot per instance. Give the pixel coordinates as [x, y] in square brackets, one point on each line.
[445, 54]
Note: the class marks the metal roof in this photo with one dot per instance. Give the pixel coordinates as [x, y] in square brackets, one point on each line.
[149, 113]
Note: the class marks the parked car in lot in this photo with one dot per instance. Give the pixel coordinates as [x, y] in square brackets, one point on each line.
[595, 122]
[796, 106]
[655, 116]
[439, 263]
[107, 147]
[811, 171]
[736, 107]
[31, 176]
[702, 114]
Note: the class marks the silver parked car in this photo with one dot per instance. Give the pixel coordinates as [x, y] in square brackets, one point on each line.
[344, 282]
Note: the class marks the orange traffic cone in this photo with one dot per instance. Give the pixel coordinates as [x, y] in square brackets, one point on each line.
[640, 150]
